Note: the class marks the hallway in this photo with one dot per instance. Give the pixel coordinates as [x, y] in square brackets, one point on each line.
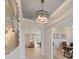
[26, 30]
[34, 53]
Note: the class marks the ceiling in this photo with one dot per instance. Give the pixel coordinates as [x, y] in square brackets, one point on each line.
[65, 23]
[67, 20]
[61, 13]
[63, 16]
[29, 7]
[60, 16]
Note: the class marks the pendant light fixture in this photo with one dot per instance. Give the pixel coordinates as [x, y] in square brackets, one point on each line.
[41, 16]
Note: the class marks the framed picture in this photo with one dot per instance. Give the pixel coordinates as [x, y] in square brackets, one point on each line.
[63, 36]
[59, 36]
[56, 35]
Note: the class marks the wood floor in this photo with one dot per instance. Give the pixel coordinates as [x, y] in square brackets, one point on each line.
[32, 53]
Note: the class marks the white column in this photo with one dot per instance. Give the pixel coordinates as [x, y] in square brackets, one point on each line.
[47, 42]
[42, 40]
[21, 33]
[22, 43]
[15, 24]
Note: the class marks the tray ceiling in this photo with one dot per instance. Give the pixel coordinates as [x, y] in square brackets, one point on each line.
[30, 6]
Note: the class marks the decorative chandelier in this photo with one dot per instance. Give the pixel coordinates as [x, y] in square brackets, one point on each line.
[41, 16]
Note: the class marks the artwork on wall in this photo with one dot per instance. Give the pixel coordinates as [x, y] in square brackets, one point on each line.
[63, 36]
[56, 35]
[59, 36]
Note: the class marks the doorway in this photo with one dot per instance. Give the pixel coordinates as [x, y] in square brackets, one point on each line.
[33, 46]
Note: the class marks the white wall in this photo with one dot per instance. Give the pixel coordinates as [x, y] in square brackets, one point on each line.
[69, 38]
[58, 31]
[68, 31]
[48, 39]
